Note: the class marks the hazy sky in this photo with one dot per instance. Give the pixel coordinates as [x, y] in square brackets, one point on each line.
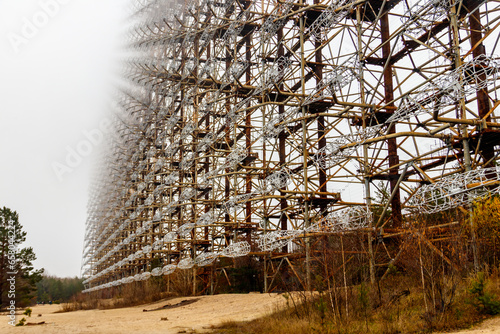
[57, 60]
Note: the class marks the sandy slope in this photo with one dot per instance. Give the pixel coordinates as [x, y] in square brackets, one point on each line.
[208, 310]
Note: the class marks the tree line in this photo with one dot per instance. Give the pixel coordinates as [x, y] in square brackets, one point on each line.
[57, 290]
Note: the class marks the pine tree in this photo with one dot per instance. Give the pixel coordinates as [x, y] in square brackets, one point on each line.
[18, 277]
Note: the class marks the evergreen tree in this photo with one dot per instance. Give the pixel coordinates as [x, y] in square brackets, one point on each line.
[18, 277]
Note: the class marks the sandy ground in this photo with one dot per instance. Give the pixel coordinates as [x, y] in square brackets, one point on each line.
[200, 315]
[489, 326]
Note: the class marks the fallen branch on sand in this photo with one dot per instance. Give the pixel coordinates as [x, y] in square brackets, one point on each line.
[169, 306]
[35, 323]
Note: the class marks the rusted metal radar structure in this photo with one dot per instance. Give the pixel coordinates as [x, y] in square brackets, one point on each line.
[247, 128]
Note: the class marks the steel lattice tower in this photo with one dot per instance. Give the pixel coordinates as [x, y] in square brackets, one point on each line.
[249, 127]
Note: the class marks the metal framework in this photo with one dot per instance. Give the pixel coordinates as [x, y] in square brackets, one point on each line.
[248, 127]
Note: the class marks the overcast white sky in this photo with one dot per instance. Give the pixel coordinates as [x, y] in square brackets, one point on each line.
[56, 70]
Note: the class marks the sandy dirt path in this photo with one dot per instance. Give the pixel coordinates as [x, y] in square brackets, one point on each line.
[205, 312]
[490, 326]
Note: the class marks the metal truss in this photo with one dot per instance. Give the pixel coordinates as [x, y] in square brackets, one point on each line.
[248, 127]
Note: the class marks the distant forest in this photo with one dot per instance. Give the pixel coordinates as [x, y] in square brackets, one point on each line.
[57, 290]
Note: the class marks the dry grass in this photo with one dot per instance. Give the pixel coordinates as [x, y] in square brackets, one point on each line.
[394, 311]
[132, 294]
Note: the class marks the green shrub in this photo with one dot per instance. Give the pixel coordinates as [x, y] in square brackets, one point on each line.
[28, 312]
[21, 322]
[484, 301]
[321, 307]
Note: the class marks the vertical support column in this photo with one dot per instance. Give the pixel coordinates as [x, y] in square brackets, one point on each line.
[371, 257]
[227, 132]
[463, 127]
[282, 142]
[483, 103]
[195, 121]
[212, 290]
[248, 139]
[194, 276]
[266, 288]
[305, 154]
[391, 143]
[321, 119]
[207, 195]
